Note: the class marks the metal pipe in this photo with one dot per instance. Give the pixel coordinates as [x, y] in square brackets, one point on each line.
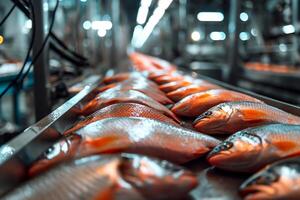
[233, 45]
[40, 72]
[115, 13]
[295, 15]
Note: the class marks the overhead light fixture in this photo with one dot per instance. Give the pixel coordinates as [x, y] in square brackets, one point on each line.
[96, 25]
[288, 29]
[152, 22]
[87, 25]
[101, 32]
[83, 1]
[28, 24]
[210, 16]
[217, 36]
[136, 33]
[195, 36]
[244, 36]
[143, 11]
[244, 17]
[253, 32]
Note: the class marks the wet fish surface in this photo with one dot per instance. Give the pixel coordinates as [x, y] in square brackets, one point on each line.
[279, 181]
[108, 177]
[195, 104]
[123, 110]
[144, 136]
[113, 96]
[228, 118]
[168, 87]
[251, 149]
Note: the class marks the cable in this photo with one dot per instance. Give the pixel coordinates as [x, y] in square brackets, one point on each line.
[14, 81]
[8, 14]
[43, 45]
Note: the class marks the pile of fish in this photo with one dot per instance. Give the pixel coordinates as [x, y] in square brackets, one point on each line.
[135, 128]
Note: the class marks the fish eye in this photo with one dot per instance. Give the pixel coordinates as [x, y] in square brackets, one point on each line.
[204, 115]
[222, 147]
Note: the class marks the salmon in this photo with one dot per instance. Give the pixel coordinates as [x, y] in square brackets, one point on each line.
[169, 87]
[117, 78]
[277, 181]
[251, 149]
[168, 78]
[144, 136]
[195, 104]
[113, 96]
[228, 118]
[123, 110]
[182, 92]
[108, 177]
[147, 87]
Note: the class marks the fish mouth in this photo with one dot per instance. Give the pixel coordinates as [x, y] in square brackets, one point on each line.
[217, 158]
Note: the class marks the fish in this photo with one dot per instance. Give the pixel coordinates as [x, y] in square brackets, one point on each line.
[279, 180]
[195, 104]
[113, 96]
[117, 78]
[123, 110]
[182, 92]
[167, 79]
[141, 85]
[253, 148]
[144, 136]
[63, 150]
[169, 87]
[108, 177]
[230, 117]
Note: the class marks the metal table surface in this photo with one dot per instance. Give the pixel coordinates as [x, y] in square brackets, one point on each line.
[20, 152]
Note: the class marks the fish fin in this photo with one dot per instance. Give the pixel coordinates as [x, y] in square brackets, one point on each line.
[254, 116]
[285, 145]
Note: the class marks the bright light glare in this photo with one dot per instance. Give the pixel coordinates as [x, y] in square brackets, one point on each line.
[217, 36]
[101, 32]
[28, 24]
[244, 16]
[254, 32]
[210, 16]
[195, 36]
[97, 25]
[142, 15]
[146, 3]
[288, 29]
[83, 0]
[87, 25]
[136, 33]
[244, 36]
[282, 47]
[164, 3]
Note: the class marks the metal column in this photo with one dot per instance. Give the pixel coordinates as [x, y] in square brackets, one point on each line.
[182, 34]
[295, 15]
[41, 66]
[115, 13]
[233, 31]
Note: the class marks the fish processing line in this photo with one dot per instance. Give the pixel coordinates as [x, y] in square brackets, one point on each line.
[20, 152]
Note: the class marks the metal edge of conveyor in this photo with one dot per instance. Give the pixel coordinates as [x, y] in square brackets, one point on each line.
[279, 104]
[18, 153]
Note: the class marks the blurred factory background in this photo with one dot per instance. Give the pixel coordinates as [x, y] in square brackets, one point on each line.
[253, 44]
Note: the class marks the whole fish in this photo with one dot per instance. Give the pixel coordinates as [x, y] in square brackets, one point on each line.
[140, 85]
[182, 92]
[278, 181]
[113, 96]
[167, 79]
[169, 87]
[121, 77]
[195, 104]
[123, 110]
[108, 177]
[228, 118]
[253, 148]
[144, 136]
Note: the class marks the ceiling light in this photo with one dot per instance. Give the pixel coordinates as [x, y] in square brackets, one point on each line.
[210, 16]
[217, 36]
[195, 36]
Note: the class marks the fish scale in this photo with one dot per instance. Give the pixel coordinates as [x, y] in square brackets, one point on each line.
[123, 110]
[144, 136]
[113, 96]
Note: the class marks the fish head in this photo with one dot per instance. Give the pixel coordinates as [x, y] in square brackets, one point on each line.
[240, 152]
[151, 176]
[214, 119]
[276, 181]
